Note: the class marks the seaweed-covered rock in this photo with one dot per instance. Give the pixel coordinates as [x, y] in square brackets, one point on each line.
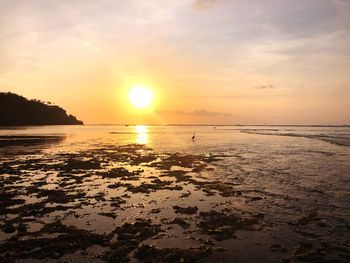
[222, 226]
[190, 210]
[150, 254]
[129, 236]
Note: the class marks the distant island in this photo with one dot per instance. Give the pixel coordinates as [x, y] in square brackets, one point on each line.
[16, 110]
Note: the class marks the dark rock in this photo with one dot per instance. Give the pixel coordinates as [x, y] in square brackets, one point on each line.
[180, 222]
[149, 254]
[8, 228]
[222, 226]
[186, 210]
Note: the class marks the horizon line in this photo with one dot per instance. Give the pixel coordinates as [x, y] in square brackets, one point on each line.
[238, 125]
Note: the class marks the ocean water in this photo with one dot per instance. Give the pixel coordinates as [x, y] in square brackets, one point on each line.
[177, 137]
[296, 180]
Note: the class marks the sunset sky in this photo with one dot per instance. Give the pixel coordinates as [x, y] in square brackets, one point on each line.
[206, 61]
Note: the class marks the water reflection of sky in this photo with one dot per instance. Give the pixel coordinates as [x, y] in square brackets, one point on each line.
[178, 138]
[141, 134]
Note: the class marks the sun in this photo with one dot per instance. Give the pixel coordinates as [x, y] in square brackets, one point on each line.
[141, 97]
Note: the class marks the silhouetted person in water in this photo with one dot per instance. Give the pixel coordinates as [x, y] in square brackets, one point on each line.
[194, 136]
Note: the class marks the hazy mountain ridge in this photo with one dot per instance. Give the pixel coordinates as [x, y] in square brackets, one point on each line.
[17, 110]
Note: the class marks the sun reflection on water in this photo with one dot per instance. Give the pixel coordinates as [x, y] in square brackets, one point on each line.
[141, 134]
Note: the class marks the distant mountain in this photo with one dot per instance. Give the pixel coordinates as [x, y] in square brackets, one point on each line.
[16, 110]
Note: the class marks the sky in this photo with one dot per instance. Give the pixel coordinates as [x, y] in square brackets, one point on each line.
[207, 61]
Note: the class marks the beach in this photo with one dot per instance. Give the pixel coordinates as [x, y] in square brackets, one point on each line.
[152, 194]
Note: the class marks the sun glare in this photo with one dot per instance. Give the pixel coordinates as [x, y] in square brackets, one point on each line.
[141, 134]
[141, 97]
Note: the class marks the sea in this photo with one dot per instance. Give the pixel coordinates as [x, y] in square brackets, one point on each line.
[294, 180]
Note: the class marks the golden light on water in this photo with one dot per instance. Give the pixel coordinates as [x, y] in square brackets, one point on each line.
[141, 134]
[141, 97]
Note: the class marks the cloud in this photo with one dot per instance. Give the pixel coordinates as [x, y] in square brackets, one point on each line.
[269, 86]
[198, 113]
[204, 4]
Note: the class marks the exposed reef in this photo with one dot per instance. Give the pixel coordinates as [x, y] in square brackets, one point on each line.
[121, 203]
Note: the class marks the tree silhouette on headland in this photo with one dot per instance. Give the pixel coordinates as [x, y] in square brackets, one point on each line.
[17, 110]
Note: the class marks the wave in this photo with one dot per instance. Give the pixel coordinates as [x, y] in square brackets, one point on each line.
[20, 140]
[341, 140]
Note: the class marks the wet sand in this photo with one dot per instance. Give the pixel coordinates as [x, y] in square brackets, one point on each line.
[121, 203]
